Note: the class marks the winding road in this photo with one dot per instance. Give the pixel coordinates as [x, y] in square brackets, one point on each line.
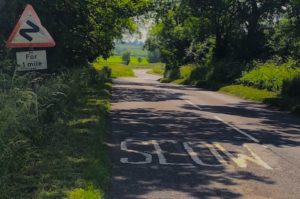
[177, 142]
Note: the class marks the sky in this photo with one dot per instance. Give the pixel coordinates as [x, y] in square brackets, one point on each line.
[144, 26]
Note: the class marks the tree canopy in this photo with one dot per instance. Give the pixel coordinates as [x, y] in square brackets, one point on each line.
[207, 31]
[83, 30]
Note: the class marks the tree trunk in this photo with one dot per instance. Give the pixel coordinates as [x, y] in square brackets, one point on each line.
[253, 37]
[220, 45]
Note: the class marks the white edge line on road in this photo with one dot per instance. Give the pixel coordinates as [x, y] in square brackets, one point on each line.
[238, 130]
[231, 126]
[194, 105]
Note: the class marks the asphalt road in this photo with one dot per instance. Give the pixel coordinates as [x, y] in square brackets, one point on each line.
[176, 142]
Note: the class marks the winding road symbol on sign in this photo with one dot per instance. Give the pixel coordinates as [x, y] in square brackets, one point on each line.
[34, 29]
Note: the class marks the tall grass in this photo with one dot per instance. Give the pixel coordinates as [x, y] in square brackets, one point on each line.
[38, 149]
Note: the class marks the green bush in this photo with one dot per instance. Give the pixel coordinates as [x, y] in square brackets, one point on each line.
[186, 71]
[126, 57]
[140, 60]
[172, 73]
[154, 56]
[225, 71]
[199, 74]
[270, 75]
[291, 87]
[211, 75]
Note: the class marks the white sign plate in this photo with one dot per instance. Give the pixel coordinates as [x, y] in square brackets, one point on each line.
[31, 60]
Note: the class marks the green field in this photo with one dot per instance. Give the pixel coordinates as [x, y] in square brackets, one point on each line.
[121, 70]
[118, 60]
[135, 50]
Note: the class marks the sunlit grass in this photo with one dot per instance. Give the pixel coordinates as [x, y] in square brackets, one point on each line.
[75, 165]
[157, 69]
[118, 60]
[89, 193]
[249, 92]
[179, 81]
[121, 70]
[118, 70]
[186, 71]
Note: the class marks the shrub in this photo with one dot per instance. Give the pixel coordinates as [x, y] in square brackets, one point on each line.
[199, 74]
[186, 71]
[291, 87]
[270, 75]
[140, 59]
[28, 119]
[126, 57]
[154, 56]
[172, 73]
[214, 74]
[225, 71]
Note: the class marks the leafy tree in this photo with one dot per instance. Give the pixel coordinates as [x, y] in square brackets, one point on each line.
[154, 56]
[210, 32]
[126, 57]
[83, 30]
[140, 59]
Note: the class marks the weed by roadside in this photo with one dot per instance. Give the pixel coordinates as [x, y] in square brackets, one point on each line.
[51, 140]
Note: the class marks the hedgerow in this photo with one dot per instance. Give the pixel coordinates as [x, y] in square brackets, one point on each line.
[271, 76]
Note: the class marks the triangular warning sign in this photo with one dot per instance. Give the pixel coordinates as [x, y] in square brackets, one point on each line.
[29, 32]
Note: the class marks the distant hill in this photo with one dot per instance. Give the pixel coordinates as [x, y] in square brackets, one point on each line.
[135, 48]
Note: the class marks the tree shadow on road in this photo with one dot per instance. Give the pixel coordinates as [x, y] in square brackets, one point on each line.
[136, 181]
[143, 95]
[287, 127]
[183, 125]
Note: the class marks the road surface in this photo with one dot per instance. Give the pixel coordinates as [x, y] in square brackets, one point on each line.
[176, 142]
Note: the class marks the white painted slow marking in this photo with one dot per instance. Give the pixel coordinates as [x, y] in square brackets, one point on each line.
[162, 159]
[196, 158]
[242, 159]
[216, 154]
[238, 130]
[148, 157]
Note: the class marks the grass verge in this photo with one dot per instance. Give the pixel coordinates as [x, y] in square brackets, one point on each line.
[264, 96]
[248, 92]
[157, 69]
[118, 70]
[52, 145]
[75, 163]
